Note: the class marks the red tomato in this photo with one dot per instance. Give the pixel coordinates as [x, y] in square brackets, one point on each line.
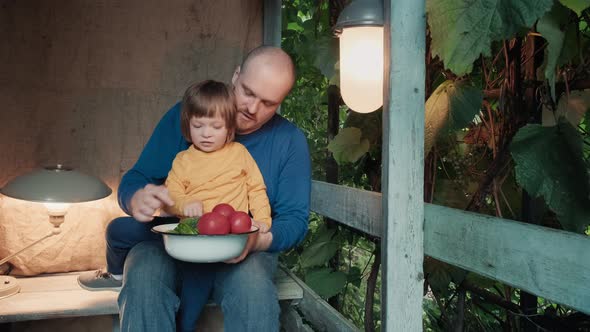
[213, 223]
[240, 222]
[224, 209]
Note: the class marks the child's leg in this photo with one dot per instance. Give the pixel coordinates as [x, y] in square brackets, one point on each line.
[197, 284]
[124, 233]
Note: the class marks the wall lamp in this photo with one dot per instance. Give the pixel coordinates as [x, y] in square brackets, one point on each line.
[56, 187]
[360, 29]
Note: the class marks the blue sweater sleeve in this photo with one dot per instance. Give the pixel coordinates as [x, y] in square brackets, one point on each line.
[155, 160]
[291, 207]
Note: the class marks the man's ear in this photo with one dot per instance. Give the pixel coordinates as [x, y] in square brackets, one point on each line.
[235, 77]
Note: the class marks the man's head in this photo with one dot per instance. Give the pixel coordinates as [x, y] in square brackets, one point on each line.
[260, 84]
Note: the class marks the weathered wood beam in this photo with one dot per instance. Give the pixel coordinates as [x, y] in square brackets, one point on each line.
[556, 263]
[357, 208]
[402, 180]
[272, 23]
[543, 261]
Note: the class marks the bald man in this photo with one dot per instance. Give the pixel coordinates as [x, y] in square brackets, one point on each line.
[243, 287]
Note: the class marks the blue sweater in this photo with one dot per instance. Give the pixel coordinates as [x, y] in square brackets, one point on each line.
[280, 150]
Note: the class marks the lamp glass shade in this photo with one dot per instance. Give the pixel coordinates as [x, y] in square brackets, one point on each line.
[56, 184]
[361, 68]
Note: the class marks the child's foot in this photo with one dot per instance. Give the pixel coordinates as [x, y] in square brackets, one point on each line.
[99, 280]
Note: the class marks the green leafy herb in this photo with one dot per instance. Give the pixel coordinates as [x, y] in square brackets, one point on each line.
[187, 226]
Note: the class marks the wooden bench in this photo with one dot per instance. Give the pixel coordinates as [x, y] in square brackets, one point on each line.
[59, 296]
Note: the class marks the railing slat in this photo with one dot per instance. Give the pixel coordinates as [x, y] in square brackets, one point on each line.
[556, 261]
[357, 208]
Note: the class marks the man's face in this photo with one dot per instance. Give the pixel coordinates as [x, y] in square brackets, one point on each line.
[259, 91]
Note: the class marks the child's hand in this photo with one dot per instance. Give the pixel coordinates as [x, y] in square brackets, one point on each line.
[262, 227]
[193, 209]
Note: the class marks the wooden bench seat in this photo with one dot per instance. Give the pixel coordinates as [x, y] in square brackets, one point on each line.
[59, 295]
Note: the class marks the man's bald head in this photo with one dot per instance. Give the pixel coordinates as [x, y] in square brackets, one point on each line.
[270, 57]
[261, 84]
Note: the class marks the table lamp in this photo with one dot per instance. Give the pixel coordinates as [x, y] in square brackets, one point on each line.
[56, 187]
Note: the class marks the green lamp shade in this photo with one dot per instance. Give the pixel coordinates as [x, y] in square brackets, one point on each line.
[360, 13]
[57, 184]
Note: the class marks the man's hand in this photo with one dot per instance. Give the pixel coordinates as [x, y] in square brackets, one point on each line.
[145, 202]
[193, 209]
[258, 241]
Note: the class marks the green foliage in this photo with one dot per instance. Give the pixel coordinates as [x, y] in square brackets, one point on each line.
[475, 39]
[452, 106]
[549, 163]
[462, 30]
[348, 146]
[325, 282]
[321, 249]
[440, 275]
[371, 127]
[552, 27]
[576, 5]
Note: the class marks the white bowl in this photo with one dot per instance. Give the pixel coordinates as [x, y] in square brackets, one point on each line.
[202, 248]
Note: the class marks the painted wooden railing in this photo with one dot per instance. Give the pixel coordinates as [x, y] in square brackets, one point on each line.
[550, 263]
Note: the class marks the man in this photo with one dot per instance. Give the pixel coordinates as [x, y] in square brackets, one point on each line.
[244, 288]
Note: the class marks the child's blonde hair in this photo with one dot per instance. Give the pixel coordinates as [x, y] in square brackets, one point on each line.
[208, 99]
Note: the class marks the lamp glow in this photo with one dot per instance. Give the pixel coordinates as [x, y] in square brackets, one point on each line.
[361, 68]
[57, 209]
[56, 187]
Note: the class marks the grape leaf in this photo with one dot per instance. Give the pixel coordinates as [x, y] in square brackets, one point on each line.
[461, 30]
[549, 164]
[453, 105]
[348, 146]
[325, 282]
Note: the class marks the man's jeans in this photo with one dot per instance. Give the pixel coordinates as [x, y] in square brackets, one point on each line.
[149, 298]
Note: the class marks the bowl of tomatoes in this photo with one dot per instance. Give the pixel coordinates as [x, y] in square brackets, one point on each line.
[216, 236]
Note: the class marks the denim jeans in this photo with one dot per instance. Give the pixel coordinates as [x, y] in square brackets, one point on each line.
[124, 233]
[151, 293]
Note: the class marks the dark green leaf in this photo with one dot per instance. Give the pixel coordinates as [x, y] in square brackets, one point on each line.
[462, 30]
[354, 276]
[552, 28]
[325, 282]
[549, 164]
[324, 234]
[319, 253]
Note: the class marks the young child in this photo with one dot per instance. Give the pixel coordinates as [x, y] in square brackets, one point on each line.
[213, 170]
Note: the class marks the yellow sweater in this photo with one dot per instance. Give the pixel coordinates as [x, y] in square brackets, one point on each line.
[229, 175]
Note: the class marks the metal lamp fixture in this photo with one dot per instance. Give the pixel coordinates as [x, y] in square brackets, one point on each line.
[360, 29]
[56, 187]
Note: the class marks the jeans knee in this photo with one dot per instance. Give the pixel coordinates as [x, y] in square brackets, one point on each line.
[116, 229]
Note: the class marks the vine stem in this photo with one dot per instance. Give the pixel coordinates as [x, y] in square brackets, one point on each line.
[370, 293]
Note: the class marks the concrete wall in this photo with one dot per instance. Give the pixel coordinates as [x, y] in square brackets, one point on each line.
[84, 82]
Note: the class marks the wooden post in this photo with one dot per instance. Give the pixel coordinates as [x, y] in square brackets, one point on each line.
[272, 23]
[403, 165]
